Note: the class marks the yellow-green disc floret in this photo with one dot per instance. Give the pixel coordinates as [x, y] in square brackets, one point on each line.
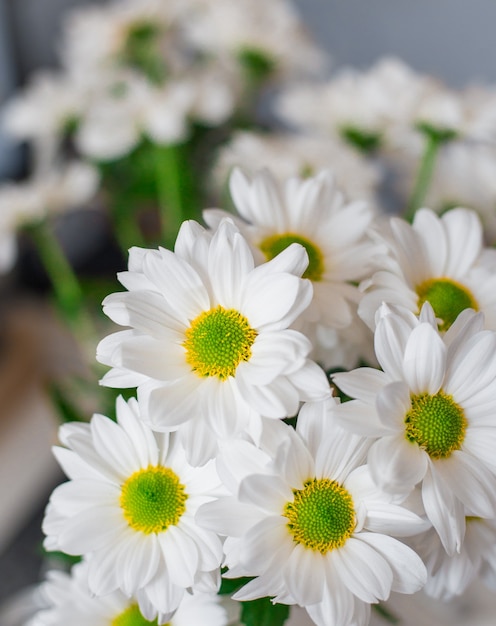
[153, 499]
[436, 423]
[447, 297]
[322, 515]
[217, 341]
[132, 617]
[273, 245]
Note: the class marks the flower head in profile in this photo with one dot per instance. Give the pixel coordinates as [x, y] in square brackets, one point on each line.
[314, 530]
[431, 414]
[440, 260]
[66, 599]
[313, 213]
[210, 349]
[129, 507]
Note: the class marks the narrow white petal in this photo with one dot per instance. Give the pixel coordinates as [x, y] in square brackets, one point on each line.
[304, 575]
[396, 464]
[444, 511]
[363, 570]
[409, 573]
[424, 360]
[363, 383]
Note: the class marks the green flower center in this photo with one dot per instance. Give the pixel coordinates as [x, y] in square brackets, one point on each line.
[132, 617]
[321, 516]
[447, 298]
[365, 141]
[273, 245]
[141, 51]
[217, 341]
[436, 423]
[153, 499]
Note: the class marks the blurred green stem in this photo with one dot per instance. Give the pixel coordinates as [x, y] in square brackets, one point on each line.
[67, 290]
[173, 190]
[424, 175]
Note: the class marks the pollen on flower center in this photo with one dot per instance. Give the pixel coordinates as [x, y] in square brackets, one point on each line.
[273, 245]
[217, 341]
[447, 297]
[132, 617]
[153, 499]
[436, 423]
[321, 516]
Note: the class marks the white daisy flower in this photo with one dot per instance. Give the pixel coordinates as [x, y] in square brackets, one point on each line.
[313, 213]
[431, 410]
[437, 259]
[273, 32]
[129, 507]
[317, 531]
[210, 349]
[289, 154]
[464, 176]
[66, 599]
[449, 576]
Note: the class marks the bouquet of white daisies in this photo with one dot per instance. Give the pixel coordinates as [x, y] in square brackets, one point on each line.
[307, 416]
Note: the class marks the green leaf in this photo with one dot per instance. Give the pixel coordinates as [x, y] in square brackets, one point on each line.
[231, 585]
[263, 613]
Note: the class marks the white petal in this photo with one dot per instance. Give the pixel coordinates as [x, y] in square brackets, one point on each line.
[304, 575]
[470, 481]
[363, 570]
[363, 383]
[424, 360]
[409, 573]
[444, 510]
[266, 492]
[396, 464]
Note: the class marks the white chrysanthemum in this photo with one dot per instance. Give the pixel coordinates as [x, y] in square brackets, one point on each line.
[287, 155]
[449, 576]
[464, 176]
[116, 120]
[437, 259]
[316, 531]
[431, 410]
[366, 109]
[313, 213]
[272, 30]
[67, 599]
[210, 349]
[45, 108]
[129, 507]
[49, 193]
[141, 34]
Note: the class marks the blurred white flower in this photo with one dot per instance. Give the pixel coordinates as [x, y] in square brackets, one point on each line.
[270, 29]
[449, 576]
[289, 155]
[66, 598]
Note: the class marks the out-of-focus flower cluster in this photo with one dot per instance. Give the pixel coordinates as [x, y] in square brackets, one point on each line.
[310, 381]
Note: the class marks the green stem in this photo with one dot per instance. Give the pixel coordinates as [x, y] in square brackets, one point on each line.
[170, 191]
[424, 175]
[66, 287]
[126, 227]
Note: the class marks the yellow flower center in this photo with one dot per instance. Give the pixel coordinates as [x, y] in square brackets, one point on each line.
[217, 341]
[436, 423]
[322, 515]
[132, 617]
[273, 245]
[447, 297]
[153, 499]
